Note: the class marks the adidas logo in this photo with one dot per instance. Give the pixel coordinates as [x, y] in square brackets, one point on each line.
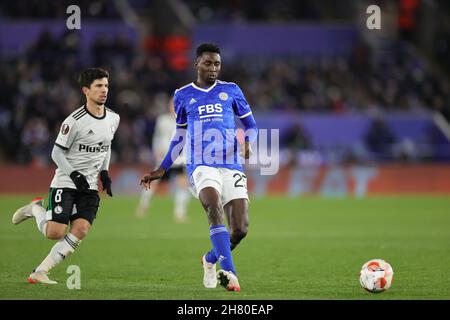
[221, 258]
[91, 132]
[192, 101]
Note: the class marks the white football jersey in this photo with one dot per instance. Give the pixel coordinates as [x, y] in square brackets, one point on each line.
[165, 128]
[86, 139]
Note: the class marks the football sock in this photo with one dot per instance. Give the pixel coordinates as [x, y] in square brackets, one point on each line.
[211, 255]
[41, 222]
[146, 196]
[181, 202]
[220, 239]
[59, 252]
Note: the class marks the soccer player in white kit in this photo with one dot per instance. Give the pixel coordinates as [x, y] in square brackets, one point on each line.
[163, 134]
[82, 152]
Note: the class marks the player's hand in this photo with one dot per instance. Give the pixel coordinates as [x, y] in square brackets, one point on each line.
[149, 177]
[246, 150]
[106, 182]
[79, 180]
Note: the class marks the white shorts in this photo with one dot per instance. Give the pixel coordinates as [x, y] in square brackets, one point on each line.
[231, 184]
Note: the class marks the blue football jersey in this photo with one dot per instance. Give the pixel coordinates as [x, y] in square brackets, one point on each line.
[209, 115]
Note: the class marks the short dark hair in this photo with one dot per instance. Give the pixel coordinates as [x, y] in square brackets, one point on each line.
[89, 75]
[207, 47]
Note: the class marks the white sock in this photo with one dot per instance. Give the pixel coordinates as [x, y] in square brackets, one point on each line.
[146, 196]
[181, 202]
[59, 252]
[41, 221]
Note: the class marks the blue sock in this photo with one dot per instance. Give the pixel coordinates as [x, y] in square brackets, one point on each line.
[211, 256]
[220, 238]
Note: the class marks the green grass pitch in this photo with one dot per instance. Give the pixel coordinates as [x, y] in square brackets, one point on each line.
[303, 248]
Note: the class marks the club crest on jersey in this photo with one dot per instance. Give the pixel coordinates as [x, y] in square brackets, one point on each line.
[223, 96]
[65, 129]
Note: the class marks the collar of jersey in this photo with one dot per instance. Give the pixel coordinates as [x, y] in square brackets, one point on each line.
[204, 90]
[94, 116]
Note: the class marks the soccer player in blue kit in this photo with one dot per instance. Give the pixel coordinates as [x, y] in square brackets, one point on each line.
[205, 125]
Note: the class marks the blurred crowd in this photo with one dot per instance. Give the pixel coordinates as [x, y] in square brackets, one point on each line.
[398, 81]
[221, 10]
[39, 90]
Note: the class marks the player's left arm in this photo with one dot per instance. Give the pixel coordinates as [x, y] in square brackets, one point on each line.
[243, 111]
[104, 170]
[104, 174]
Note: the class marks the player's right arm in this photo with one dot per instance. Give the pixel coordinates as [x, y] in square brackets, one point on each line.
[64, 141]
[175, 148]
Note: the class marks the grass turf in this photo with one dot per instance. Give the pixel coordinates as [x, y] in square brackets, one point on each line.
[304, 248]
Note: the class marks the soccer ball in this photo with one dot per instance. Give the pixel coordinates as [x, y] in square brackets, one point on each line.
[376, 275]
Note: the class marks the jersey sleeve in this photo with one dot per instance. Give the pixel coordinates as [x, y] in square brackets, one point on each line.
[180, 110]
[117, 123]
[241, 107]
[67, 133]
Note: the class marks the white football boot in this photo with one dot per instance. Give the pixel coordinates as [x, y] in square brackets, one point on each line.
[40, 277]
[25, 213]
[209, 274]
[228, 280]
